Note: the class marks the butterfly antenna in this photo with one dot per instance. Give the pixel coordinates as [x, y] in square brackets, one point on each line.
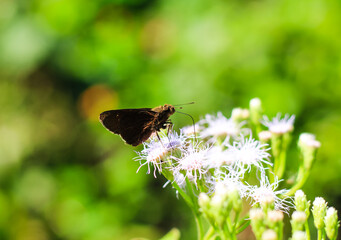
[183, 104]
[195, 137]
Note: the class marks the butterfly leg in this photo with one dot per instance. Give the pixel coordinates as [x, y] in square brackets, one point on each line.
[158, 137]
[169, 127]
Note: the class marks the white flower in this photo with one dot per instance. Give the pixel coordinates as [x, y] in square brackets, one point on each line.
[155, 150]
[192, 162]
[153, 153]
[217, 157]
[248, 152]
[179, 178]
[191, 130]
[220, 126]
[266, 194]
[174, 140]
[231, 181]
[278, 125]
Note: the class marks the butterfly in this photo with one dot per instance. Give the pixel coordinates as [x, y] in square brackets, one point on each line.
[136, 125]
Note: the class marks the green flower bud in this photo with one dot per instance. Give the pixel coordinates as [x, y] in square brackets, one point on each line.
[319, 212]
[236, 200]
[204, 202]
[269, 235]
[220, 206]
[239, 114]
[275, 221]
[264, 136]
[257, 221]
[256, 111]
[308, 147]
[301, 202]
[298, 219]
[299, 235]
[332, 223]
[274, 217]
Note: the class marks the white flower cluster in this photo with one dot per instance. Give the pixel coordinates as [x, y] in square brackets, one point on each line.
[224, 153]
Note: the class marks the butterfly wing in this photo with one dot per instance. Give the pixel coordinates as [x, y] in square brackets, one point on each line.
[134, 125]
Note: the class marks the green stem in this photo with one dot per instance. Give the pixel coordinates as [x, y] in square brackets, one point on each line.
[235, 222]
[200, 229]
[319, 234]
[187, 199]
[242, 226]
[226, 229]
[307, 230]
[281, 164]
[300, 182]
[209, 234]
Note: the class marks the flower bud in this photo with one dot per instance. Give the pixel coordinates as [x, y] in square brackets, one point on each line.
[239, 114]
[257, 222]
[301, 202]
[319, 212]
[204, 202]
[308, 147]
[236, 200]
[332, 223]
[298, 219]
[299, 235]
[255, 111]
[269, 235]
[275, 216]
[264, 136]
[275, 219]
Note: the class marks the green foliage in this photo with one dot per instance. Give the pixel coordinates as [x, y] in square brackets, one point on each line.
[62, 176]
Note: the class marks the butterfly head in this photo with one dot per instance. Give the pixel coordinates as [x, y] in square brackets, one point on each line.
[169, 109]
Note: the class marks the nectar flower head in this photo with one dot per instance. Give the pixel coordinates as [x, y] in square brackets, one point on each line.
[267, 195]
[217, 157]
[174, 140]
[220, 126]
[231, 182]
[278, 125]
[192, 161]
[191, 130]
[248, 152]
[153, 153]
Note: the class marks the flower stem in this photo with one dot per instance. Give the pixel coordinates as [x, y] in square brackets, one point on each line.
[242, 225]
[281, 164]
[200, 229]
[319, 234]
[210, 233]
[307, 230]
[301, 179]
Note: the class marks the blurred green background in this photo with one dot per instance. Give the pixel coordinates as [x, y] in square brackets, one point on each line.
[62, 62]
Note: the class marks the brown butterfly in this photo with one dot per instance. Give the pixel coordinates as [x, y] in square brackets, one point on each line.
[136, 125]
